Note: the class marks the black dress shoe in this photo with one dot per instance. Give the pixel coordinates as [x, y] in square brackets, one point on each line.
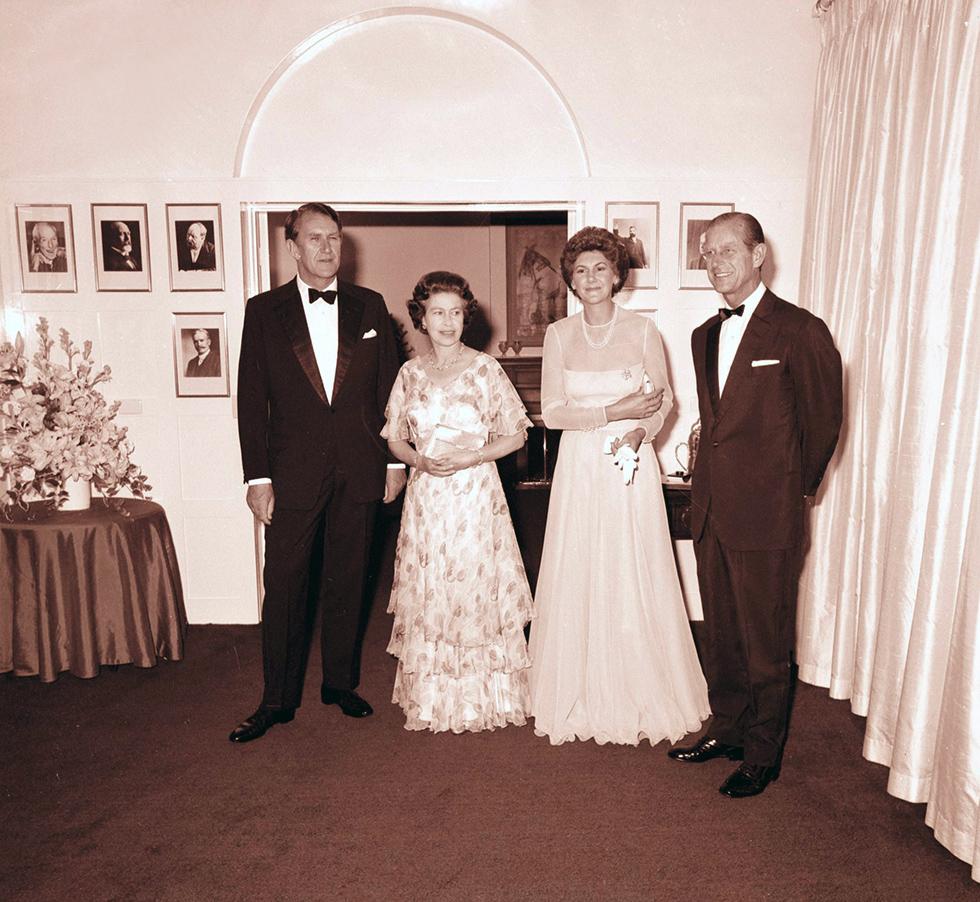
[349, 701]
[705, 749]
[748, 780]
[259, 723]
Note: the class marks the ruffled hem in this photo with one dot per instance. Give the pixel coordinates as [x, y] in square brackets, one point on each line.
[417, 655]
[440, 703]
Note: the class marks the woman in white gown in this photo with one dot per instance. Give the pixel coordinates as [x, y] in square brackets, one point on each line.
[611, 648]
[459, 595]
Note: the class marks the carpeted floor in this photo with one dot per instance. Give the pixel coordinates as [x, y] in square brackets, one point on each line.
[125, 787]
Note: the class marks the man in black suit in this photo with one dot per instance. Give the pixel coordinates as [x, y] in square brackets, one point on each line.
[204, 364]
[770, 397]
[117, 241]
[317, 363]
[196, 252]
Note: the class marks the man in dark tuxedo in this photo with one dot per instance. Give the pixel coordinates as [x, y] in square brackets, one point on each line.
[317, 363]
[770, 397]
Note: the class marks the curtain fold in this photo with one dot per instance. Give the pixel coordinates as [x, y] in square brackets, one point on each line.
[890, 591]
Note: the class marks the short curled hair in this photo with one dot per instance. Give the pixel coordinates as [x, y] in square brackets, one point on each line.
[436, 283]
[290, 225]
[605, 242]
[745, 224]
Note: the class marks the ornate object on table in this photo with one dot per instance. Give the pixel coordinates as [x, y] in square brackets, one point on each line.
[55, 425]
[691, 447]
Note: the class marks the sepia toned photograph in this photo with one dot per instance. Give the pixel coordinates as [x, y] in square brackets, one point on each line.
[694, 222]
[47, 247]
[194, 239]
[200, 355]
[122, 255]
[536, 292]
[636, 226]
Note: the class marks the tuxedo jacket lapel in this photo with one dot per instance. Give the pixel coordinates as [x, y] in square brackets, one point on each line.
[349, 316]
[289, 309]
[711, 362]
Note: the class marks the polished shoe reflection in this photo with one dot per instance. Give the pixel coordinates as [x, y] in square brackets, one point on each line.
[349, 701]
[748, 780]
[705, 749]
[259, 723]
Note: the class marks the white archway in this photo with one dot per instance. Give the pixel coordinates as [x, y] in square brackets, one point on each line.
[410, 93]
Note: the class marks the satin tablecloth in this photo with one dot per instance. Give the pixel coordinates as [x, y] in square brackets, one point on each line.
[84, 588]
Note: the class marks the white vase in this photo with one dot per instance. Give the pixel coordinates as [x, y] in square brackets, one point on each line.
[79, 495]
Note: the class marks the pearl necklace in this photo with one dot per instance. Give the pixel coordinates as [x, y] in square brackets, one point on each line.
[449, 363]
[598, 345]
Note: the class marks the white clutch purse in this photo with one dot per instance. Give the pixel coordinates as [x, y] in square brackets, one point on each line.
[445, 439]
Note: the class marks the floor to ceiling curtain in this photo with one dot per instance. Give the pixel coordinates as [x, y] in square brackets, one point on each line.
[891, 260]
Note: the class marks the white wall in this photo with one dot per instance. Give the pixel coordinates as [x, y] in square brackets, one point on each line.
[111, 102]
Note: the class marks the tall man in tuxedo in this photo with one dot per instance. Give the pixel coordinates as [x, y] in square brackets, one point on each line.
[317, 363]
[770, 397]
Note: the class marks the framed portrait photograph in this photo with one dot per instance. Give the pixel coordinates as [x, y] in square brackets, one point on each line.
[694, 222]
[47, 247]
[122, 247]
[536, 292]
[201, 355]
[637, 226]
[196, 257]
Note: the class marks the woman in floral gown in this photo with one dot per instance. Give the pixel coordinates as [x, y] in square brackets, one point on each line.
[613, 655]
[460, 595]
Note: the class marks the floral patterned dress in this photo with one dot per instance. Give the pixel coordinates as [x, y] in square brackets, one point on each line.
[459, 595]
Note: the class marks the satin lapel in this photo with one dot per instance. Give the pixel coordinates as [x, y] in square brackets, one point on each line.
[349, 328]
[755, 344]
[711, 362]
[289, 308]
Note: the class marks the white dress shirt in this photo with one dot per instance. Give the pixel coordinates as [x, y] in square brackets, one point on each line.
[732, 330]
[321, 320]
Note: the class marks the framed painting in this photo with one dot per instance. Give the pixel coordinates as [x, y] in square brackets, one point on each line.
[694, 222]
[201, 355]
[637, 227]
[122, 247]
[196, 255]
[46, 241]
[536, 292]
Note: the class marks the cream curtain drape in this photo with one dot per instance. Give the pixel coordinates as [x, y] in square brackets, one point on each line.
[890, 593]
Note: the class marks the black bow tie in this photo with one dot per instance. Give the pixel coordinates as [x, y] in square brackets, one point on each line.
[726, 312]
[329, 296]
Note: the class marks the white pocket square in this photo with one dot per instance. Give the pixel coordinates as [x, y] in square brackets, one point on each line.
[372, 334]
[764, 362]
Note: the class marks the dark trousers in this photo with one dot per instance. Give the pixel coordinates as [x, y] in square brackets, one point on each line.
[749, 601]
[315, 557]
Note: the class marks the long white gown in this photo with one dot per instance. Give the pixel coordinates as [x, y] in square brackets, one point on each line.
[611, 648]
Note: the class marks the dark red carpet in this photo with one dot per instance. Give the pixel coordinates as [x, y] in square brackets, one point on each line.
[125, 788]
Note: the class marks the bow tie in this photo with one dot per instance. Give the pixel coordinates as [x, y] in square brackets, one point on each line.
[726, 312]
[329, 296]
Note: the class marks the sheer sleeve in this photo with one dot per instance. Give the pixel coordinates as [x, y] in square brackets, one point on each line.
[556, 409]
[396, 423]
[507, 413]
[655, 366]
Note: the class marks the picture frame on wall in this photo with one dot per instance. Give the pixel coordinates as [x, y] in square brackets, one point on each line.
[637, 226]
[46, 240]
[201, 355]
[122, 247]
[196, 249]
[536, 292]
[694, 221]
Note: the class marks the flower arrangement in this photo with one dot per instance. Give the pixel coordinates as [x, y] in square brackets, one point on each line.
[55, 425]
